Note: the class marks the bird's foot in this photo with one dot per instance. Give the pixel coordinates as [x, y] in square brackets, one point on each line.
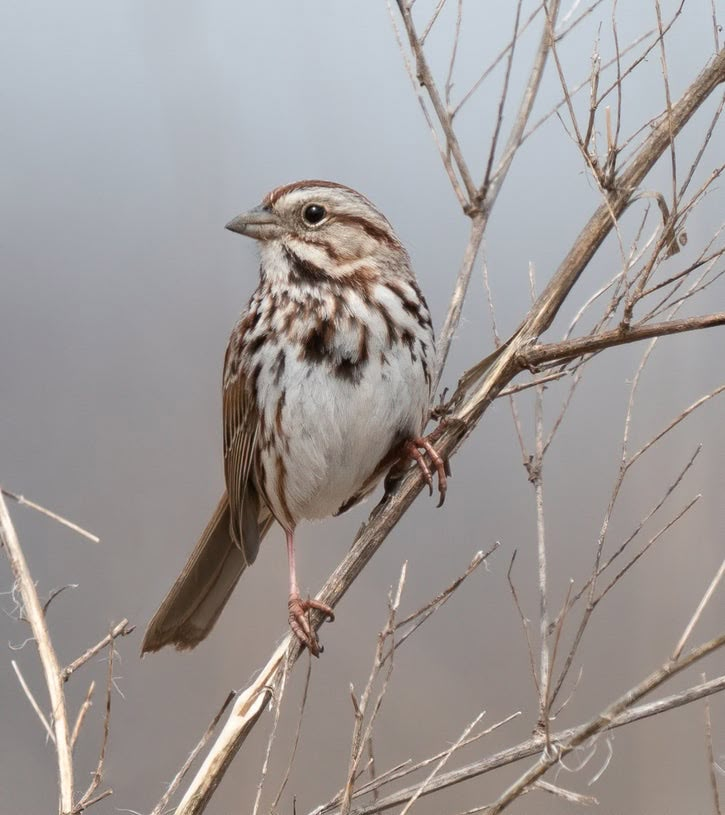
[413, 448]
[299, 621]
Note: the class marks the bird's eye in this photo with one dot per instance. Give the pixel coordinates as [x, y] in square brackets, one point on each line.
[314, 213]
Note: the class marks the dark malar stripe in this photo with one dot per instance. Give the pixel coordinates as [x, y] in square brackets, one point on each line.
[302, 271]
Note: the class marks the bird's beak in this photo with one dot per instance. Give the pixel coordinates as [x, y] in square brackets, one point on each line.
[260, 224]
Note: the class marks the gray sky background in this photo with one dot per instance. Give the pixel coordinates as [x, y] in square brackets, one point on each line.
[131, 132]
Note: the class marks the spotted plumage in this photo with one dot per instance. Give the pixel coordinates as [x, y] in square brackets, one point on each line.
[326, 381]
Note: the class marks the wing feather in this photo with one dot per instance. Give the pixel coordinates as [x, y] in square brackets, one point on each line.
[241, 429]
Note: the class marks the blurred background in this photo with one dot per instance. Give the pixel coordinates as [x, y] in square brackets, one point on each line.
[130, 134]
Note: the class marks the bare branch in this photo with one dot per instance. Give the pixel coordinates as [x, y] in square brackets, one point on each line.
[122, 629]
[603, 721]
[80, 718]
[295, 743]
[407, 768]
[706, 597]
[711, 759]
[33, 702]
[534, 746]
[49, 660]
[570, 349]
[179, 777]
[422, 614]
[97, 776]
[566, 795]
[361, 736]
[25, 502]
[441, 763]
[425, 79]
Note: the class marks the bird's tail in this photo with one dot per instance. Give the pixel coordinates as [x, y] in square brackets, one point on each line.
[195, 601]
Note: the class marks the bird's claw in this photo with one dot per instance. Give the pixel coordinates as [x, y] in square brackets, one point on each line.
[299, 621]
[413, 447]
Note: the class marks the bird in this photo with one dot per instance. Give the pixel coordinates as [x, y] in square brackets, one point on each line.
[327, 384]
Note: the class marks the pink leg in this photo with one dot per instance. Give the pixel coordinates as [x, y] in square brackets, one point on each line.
[299, 609]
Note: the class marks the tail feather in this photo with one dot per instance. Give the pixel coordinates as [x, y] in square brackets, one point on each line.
[195, 601]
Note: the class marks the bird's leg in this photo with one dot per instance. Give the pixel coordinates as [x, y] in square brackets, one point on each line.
[298, 608]
[413, 447]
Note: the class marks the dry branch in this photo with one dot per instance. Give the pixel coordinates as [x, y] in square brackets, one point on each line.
[26, 502]
[33, 609]
[123, 629]
[570, 349]
[531, 747]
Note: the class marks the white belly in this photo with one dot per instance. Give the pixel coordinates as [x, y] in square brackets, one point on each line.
[341, 430]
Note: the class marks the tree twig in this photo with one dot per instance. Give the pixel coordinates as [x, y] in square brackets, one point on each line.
[26, 502]
[570, 349]
[33, 701]
[122, 629]
[531, 747]
[160, 808]
[51, 668]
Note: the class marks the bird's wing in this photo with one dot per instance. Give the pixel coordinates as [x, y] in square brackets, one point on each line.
[241, 428]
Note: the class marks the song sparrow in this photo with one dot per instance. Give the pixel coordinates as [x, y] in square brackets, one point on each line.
[327, 381]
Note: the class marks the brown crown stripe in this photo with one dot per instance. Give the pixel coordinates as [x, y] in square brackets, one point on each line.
[271, 198]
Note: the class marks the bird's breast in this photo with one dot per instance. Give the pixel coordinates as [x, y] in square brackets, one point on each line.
[332, 403]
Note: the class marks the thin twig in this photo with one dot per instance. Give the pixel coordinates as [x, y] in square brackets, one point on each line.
[533, 746]
[422, 614]
[33, 702]
[178, 778]
[51, 669]
[570, 349]
[524, 624]
[26, 502]
[278, 697]
[80, 718]
[97, 776]
[603, 721]
[84, 805]
[441, 763]
[566, 795]
[711, 759]
[360, 735]
[706, 597]
[122, 629]
[295, 743]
